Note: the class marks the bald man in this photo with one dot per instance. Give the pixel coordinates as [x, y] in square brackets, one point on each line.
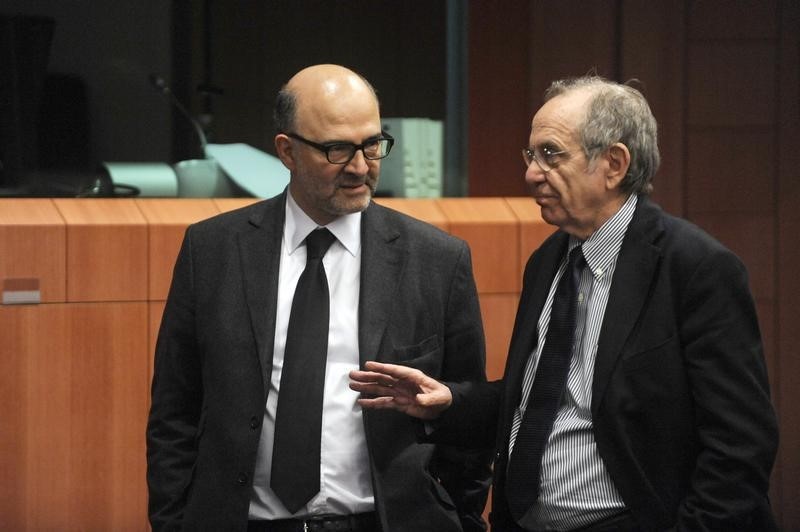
[400, 291]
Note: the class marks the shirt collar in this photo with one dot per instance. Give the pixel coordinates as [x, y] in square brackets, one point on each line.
[298, 225]
[602, 247]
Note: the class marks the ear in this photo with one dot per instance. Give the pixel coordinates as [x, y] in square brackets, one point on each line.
[619, 160]
[285, 150]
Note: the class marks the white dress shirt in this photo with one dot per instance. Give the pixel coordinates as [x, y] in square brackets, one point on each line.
[345, 480]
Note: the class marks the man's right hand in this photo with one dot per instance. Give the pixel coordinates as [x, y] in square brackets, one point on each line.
[400, 388]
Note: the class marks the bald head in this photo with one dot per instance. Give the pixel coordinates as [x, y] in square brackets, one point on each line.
[321, 92]
[329, 80]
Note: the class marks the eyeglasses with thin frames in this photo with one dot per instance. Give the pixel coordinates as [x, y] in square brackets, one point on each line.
[343, 152]
[545, 158]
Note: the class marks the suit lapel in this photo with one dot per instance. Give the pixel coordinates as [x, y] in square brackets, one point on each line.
[382, 260]
[630, 289]
[259, 249]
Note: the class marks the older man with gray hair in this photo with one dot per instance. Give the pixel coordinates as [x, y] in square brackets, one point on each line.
[635, 394]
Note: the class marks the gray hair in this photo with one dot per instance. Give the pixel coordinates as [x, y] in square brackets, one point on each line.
[616, 113]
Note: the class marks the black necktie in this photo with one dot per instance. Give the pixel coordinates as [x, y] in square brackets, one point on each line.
[522, 485]
[298, 420]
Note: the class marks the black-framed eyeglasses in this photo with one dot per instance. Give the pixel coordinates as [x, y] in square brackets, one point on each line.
[546, 158]
[343, 152]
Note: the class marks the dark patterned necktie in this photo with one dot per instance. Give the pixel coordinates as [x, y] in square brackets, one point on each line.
[298, 420]
[522, 484]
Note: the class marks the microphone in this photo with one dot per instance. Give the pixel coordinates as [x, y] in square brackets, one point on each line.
[161, 86]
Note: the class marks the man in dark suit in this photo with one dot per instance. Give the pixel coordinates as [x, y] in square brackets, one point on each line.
[400, 291]
[662, 417]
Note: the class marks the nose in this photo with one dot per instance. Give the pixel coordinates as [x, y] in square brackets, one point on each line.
[358, 164]
[534, 174]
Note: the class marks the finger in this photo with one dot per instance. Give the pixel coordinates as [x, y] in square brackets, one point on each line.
[393, 370]
[372, 376]
[379, 403]
[373, 389]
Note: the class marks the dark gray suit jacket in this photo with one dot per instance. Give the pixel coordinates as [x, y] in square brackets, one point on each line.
[418, 307]
[680, 400]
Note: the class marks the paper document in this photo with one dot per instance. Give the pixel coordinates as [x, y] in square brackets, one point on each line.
[257, 172]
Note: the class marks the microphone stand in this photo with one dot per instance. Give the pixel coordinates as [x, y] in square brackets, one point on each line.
[163, 87]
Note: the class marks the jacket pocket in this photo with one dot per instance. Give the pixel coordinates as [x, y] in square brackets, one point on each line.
[649, 356]
[425, 356]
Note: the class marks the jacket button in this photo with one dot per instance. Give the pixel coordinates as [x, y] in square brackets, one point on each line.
[242, 480]
[254, 423]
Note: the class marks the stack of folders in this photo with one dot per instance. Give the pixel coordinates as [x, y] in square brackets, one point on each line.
[414, 168]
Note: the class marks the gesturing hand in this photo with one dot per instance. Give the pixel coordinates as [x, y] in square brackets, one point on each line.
[400, 388]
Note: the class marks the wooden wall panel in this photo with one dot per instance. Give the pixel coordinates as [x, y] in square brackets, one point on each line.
[167, 220]
[733, 19]
[499, 97]
[568, 39]
[533, 230]
[129, 391]
[652, 49]
[731, 84]
[498, 312]
[106, 249]
[13, 412]
[729, 171]
[33, 246]
[426, 210]
[45, 426]
[78, 415]
[492, 231]
[571, 38]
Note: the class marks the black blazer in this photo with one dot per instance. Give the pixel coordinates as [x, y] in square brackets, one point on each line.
[418, 306]
[680, 400]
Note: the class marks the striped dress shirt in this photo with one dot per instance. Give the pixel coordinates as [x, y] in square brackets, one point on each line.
[575, 487]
